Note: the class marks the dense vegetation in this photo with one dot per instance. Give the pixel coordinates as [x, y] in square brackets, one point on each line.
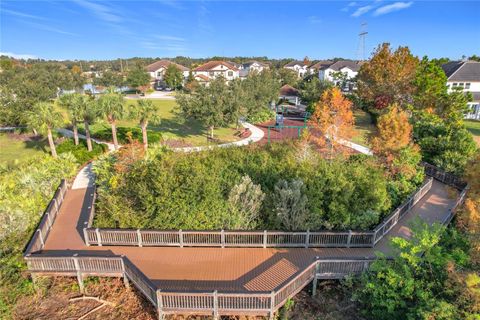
[269, 186]
[24, 193]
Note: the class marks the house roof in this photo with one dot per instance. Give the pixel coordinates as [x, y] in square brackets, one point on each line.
[340, 64]
[321, 64]
[462, 71]
[288, 90]
[212, 64]
[249, 63]
[164, 64]
[202, 77]
[295, 62]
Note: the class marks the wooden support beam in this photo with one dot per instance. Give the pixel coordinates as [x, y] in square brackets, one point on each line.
[79, 273]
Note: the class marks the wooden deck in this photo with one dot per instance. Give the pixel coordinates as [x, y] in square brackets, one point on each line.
[224, 269]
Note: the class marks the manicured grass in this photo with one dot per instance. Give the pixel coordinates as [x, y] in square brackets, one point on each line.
[474, 127]
[364, 127]
[13, 148]
[172, 126]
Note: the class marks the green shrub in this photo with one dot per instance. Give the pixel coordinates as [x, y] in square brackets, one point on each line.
[263, 115]
[124, 132]
[191, 191]
[80, 152]
[25, 191]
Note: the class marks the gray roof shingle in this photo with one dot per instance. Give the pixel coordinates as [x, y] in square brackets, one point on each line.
[462, 71]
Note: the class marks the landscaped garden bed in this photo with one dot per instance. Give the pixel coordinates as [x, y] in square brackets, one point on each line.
[278, 186]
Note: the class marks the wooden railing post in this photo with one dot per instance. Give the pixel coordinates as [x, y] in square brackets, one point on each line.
[42, 240]
[180, 236]
[215, 305]
[271, 314]
[349, 239]
[161, 316]
[315, 279]
[99, 238]
[139, 236]
[307, 239]
[264, 238]
[85, 235]
[79, 273]
[125, 279]
[222, 236]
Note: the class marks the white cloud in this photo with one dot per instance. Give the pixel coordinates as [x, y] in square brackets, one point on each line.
[362, 10]
[170, 38]
[21, 14]
[101, 11]
[18, 56]
[352, 4]
[392, 7]
[314, 20]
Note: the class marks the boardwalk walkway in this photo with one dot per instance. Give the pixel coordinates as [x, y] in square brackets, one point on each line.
[224, 269]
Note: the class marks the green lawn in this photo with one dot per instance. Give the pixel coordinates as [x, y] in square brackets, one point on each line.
[474, 127]
[363, 127]
[173, 127]
[13, 147]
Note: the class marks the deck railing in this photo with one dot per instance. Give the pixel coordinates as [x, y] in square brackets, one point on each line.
[444, 177]
[392, 219]
[215, 303]
[257, 239]
[39, 237]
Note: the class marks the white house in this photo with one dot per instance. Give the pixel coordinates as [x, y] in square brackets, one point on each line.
[314, 68]
[214, 69]
[255, 66]
[300, 67]
[348, 69]
[158, 68]
[465, 76]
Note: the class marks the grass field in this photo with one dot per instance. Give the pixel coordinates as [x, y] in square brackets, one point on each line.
[474, 127]
[363, 127]
[13, 148]
[172, 126]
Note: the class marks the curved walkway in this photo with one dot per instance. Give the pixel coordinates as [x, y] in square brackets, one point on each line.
[225, 269]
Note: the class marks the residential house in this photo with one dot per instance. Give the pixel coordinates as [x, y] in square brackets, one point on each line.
[255, 66]
[215, 69]
[158, 68]
[341, 73]
[290, 94]
[314, 68]
[300, 67]
[251, 66]
[465, 76]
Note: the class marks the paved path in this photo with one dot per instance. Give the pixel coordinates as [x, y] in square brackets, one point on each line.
[256, 136]
[224, 269]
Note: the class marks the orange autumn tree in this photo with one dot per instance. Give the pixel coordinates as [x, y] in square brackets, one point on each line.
[332, 118]
[394, 132]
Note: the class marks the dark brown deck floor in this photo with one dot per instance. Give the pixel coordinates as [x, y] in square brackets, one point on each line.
[227, 269]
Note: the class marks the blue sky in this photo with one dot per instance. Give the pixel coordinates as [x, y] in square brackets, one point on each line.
[88, 29]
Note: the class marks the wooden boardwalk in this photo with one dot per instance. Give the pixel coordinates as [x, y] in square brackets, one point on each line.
[225, 269]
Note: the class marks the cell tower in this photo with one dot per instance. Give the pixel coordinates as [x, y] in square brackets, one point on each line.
[361, 41]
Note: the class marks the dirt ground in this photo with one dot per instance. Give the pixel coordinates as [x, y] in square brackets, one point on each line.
[107, 298]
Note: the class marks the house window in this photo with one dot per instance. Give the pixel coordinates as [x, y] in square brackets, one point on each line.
[454, 84]
[159, 74]
[211, 73]
[230, 73]
[467, 85]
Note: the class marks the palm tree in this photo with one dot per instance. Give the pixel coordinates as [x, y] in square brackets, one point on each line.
[113, 108]
[44, 118]
[145, 111]
[67, 101]
[88, 112]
